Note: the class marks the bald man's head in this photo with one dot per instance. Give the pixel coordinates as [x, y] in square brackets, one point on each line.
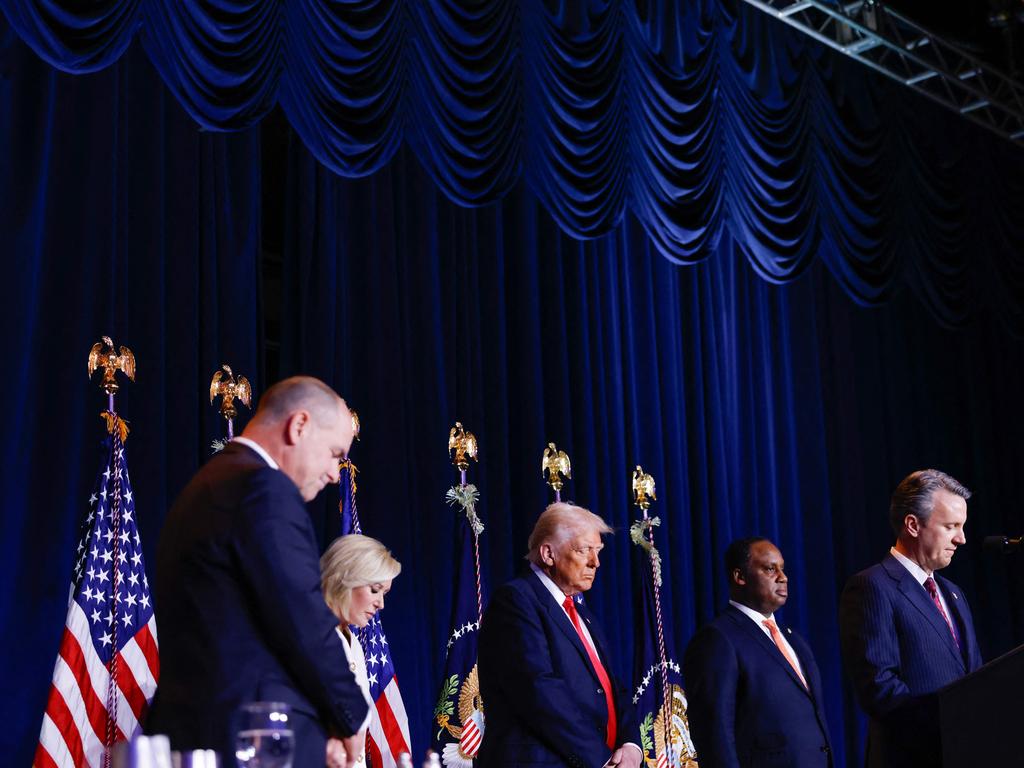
[298, 392]
[307, 428]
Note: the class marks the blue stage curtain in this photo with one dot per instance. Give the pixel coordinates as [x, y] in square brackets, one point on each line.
[761, 397]
[222, 60]
[708, 121]
[118, 218]
[73, 37]
[787, 411]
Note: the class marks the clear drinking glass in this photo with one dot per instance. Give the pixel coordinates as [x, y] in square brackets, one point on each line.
[265, 737]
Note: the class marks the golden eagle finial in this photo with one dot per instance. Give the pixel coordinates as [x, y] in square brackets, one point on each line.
[462, 446]
[557, 465]
[230, 388]
[643, 488]
[102, 355]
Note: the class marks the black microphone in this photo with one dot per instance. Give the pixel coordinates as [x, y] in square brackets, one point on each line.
[1001, 544]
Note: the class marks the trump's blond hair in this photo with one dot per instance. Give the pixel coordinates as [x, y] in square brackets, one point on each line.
[559, 523]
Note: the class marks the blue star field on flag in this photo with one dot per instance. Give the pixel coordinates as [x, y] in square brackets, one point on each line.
[109, 552]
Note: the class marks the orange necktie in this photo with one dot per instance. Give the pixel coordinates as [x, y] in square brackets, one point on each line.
[602, 674]
[777, 637]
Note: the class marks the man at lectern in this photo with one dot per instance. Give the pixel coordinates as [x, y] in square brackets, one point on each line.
[906, 631]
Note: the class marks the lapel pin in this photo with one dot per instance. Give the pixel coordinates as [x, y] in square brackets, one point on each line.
[955, 596]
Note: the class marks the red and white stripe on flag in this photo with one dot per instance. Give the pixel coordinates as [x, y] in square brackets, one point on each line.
[75, 724]
[471, 738]
[388, 733]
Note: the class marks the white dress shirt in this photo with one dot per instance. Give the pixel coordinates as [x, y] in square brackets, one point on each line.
[260, 450]
[759, 618]
[920, 576]
[559, 597]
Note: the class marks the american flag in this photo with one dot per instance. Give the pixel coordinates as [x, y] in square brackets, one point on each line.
[388, 734]
[107, 666]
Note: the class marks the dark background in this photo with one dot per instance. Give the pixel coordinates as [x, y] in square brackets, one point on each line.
[990, 30]
[782, 406]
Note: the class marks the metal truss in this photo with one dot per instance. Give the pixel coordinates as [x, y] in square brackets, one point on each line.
[898, 48]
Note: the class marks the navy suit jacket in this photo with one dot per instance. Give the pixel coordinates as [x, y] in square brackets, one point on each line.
[544, 703]
[746, 705]
[240, 614]
[898, 650]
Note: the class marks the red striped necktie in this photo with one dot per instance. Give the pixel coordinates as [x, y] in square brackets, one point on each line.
[602, 674]
[933, 590]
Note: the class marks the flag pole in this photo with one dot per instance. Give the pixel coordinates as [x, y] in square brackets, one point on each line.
[387, 737]
[104, 581]
[642, 534]
[103, 355]
[348, 465]
[460, 687]
[230, 388]
[558, 468]
[462, 447]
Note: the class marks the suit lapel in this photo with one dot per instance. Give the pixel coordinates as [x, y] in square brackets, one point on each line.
[803, 653]
[747, 625]
[595, 632]
[561, 620]
[922, 602]
[957, 615]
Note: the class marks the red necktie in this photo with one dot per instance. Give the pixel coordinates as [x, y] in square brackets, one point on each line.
[777, 638]
[933, 590]
[602, 675]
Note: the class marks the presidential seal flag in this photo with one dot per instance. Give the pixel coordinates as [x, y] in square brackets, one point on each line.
[107, 665]
[658, 693]
[459, 714]
[388, 735]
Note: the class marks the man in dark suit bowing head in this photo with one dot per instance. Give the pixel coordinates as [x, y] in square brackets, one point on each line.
[753, 687]
[238, 602]
[545, 678]
[905, 630]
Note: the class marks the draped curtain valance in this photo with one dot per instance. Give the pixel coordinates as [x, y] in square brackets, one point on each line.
[704, 119]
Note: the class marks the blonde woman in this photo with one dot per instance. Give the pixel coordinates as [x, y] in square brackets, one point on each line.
[355, 573]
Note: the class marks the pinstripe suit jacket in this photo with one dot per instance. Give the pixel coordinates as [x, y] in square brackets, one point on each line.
[898, 651]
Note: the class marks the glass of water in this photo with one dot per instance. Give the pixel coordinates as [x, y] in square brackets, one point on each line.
[265, 737]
